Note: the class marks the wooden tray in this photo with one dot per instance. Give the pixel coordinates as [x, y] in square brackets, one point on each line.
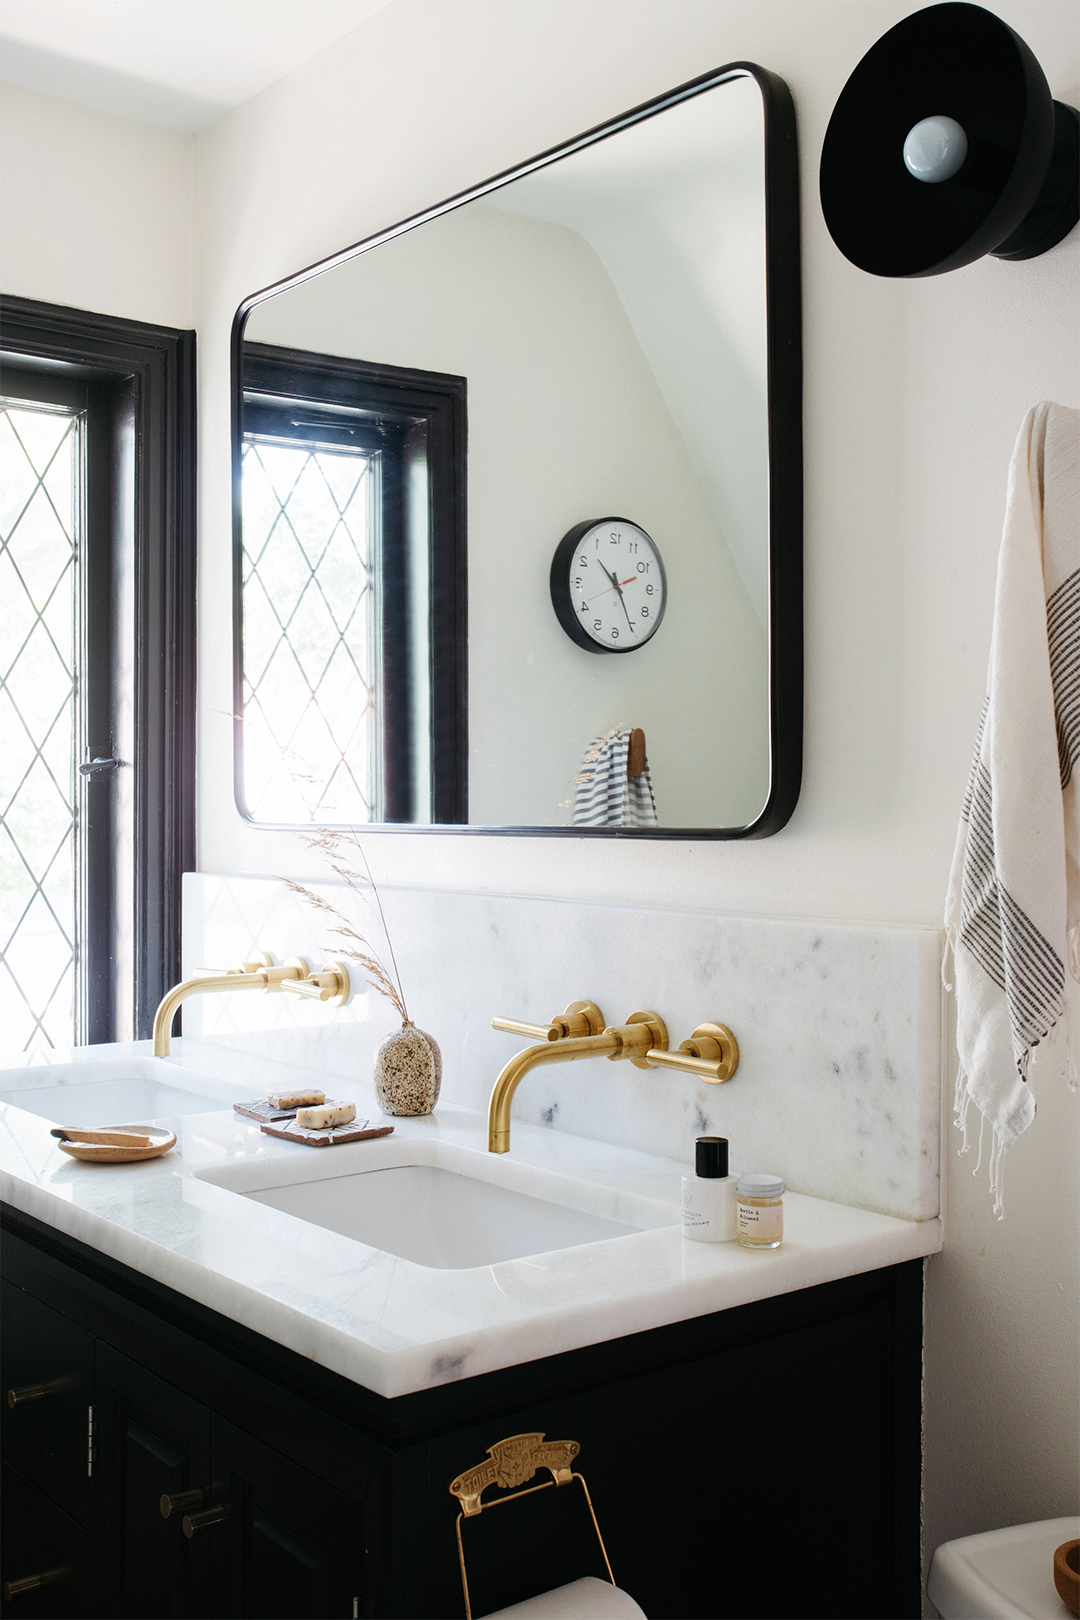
[160, 1142]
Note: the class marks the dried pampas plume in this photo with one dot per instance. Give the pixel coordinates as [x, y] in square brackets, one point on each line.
[336, 849]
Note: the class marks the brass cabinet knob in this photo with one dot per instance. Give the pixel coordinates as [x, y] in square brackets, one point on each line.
[196, 1523]
[30, 1583]
[27, 1392]
[181, 1502]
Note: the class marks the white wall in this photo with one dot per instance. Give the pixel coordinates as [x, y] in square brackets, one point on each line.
[914, 393]
[97, 209]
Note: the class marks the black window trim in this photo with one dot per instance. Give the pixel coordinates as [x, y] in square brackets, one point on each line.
[440, 401]
[158, 365]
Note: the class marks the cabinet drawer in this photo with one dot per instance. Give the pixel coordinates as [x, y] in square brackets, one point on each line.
[42, 1543]
[46, 1362]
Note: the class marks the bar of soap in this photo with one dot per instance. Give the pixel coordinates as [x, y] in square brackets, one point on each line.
[295, 1099]
[326, 1116]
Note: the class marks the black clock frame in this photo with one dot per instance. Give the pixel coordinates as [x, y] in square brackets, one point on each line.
[783, 302]
[563, 602]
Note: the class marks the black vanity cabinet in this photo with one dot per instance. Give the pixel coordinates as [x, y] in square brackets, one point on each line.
[761, 1461]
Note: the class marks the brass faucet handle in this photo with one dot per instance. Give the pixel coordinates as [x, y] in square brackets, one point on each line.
[711, 1054]
[716, 1044]
[642, 1033]
[580, 1018]
[331, 984]
[260, 961]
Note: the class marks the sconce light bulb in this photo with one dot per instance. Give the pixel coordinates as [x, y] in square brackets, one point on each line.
[935, 149]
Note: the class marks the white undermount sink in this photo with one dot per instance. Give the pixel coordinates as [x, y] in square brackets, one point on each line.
[426, 1202]
[87, 1094]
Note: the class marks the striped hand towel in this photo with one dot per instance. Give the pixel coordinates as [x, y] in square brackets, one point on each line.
[606, 796]
[1014, 893]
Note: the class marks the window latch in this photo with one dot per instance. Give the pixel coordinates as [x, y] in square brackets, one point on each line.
[95, 767]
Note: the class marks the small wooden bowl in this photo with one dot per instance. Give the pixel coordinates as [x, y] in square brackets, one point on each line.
[91, 1153]
[1067, 1574]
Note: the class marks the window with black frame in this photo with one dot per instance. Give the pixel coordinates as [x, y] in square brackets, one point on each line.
[351, 671]
[97, 670]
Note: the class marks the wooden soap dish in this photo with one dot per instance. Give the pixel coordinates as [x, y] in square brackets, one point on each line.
[116, 1144]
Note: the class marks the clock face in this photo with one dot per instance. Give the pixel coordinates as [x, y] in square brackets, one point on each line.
[608, 586]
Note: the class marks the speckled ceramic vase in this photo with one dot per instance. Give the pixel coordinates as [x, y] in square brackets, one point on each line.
[408, 1072]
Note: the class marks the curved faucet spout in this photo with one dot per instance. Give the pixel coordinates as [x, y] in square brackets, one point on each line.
[502, 1094]
[170, 1002]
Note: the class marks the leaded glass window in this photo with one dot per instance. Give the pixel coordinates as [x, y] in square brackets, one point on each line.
[349, 672]
[40, 509]
[311, 642]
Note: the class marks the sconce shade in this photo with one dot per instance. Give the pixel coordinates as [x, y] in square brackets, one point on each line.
[1017, 191]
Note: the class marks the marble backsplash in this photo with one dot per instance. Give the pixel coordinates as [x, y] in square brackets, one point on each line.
[839, 1025]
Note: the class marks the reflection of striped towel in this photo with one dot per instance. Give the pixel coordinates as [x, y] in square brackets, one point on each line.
[1014, 896]
[606, 796]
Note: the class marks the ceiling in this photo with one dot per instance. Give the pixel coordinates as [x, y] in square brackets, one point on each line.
[177, 63]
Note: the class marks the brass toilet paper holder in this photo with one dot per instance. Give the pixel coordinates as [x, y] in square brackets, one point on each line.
[511, 1463]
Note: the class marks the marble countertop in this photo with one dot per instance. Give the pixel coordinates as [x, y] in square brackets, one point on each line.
[390, 1324]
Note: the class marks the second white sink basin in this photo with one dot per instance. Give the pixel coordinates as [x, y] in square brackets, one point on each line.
[90, 1094]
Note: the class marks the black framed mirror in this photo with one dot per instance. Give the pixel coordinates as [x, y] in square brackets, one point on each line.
[438, 622]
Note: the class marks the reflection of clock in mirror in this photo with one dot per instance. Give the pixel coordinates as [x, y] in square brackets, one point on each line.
[608, 586]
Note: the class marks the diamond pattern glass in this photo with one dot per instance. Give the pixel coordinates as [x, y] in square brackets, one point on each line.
[310, 695]
[39, 466]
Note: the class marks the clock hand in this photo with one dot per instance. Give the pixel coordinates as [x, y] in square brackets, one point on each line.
[617, 587]
[613, 587]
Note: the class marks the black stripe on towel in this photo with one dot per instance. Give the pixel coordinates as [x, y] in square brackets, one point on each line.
[1002, 938]
[1063, 634]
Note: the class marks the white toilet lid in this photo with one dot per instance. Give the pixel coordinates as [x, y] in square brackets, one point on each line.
[1001, 1574]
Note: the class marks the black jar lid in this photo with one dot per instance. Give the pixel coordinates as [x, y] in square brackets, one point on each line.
[711, 1157]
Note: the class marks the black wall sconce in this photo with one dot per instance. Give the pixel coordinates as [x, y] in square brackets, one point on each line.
[946, 144]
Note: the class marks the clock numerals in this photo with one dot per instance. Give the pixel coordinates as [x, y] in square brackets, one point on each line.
[612, 603]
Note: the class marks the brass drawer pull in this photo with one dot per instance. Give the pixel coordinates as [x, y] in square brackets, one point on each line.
[30, 1583]
[27, 1392]
[196, 1523]
[181, 1502]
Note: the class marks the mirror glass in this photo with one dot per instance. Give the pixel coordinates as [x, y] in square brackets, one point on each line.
[520, 481]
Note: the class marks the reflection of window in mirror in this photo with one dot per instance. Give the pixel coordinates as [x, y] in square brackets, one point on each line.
[352, 690]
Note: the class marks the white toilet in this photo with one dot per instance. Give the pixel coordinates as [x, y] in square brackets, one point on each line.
[1001, 1574]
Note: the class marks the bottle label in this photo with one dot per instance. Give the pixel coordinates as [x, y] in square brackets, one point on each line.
[760, 1223]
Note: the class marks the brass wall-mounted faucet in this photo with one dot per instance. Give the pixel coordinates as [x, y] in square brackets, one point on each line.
[331, 985]
[711, 1053]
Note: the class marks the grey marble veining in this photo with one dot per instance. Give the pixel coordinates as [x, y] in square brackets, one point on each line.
[388, 1323]
[839, 1025]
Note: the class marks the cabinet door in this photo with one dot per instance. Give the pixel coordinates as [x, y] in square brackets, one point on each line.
[45, 1571]
[153, 1441]
[46, 1367]
[293, 1546]
[721, 1485]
